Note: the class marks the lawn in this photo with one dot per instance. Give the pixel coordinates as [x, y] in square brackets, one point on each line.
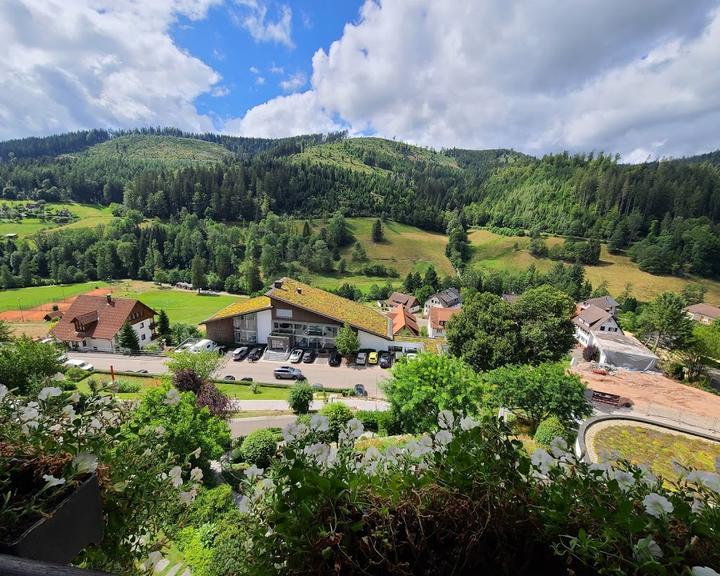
[233, 390]
[89, 215]
[656, 449]
[25, 298]
[493, 251]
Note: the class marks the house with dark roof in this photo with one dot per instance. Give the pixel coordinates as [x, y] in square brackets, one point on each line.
[403, 323]
[592, 320]
[703, 313]
[92, 323]
[607, 303]
[438, 319]
[295, 315]
[448, 298]
[405, 300]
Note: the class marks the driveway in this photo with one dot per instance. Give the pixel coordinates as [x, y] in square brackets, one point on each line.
[262, 371]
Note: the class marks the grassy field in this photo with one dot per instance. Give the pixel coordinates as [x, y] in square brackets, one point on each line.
[37, 295]
[404, 248]
[89, 215]
[236, 391]
[657, 449]
[493, 251]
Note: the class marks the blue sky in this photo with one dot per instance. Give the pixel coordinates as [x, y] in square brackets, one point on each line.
[638, 78]
[252, 71]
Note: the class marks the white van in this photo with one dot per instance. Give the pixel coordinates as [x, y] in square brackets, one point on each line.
[79, 364]
[204, 345]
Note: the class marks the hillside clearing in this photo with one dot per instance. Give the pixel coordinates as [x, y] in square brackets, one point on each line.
[494, 251]
[89, 216]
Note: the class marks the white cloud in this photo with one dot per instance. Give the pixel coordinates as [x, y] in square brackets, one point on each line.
[294, 114]
[260, 80]
[277, 69]
[98, 63]
[634, 77]
[220, 91]
[294, 82]
[253, 17]
[254, 70]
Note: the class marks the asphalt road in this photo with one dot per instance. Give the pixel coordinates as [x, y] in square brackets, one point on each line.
[262, 371]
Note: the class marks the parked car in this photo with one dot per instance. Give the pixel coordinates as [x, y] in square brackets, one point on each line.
[385, 360]
[229, 377]
[335, 358]
[360, 390]
[240, 353]
[361, 359]
[372, 357]
[79, 364]
[309, 356]
[288, 373]
[246, 379]
[142, 371]
[411, 356]
[255, 354]
[204, 345]
[295, 356]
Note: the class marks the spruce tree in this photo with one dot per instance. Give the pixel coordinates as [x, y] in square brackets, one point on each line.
[377, 231]
[163, 324]
[128, 338]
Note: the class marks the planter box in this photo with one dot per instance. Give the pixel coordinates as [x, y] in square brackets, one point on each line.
[76, 523]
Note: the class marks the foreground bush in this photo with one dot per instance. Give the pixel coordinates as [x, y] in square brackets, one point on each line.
[301, 396]
[548, 430]
[259, 447]
[466, 500]
[337, 415]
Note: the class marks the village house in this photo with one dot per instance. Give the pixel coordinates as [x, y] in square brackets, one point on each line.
[93, 323]
[703, 313]
[607, 303]
[448, 298]
[591, 320]
[438, 319]
[408, 301]
[403, 322]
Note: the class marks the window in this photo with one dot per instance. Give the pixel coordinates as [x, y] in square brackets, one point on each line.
[283, 313]
[142, 337]
[141, 325]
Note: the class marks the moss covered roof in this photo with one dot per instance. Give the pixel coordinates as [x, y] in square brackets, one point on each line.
[332, 306]
[241, 307]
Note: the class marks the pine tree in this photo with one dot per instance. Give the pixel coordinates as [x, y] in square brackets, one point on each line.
[163, 324]
[253, 282]
[431, 279]
[377, 231]
[307, 231]
[128, 338]
[198, 273]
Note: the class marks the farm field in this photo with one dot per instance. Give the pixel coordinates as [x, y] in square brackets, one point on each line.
[38, 295]
[89, 215]
[404, 248]
[493, 251]
[657, 449]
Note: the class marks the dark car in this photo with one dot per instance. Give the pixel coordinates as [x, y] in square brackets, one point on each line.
[228, 377]
[385, 360]
[246, 379]
[288, 373]
[309, 356]
[335, 358]
[360, 390]
[255, 354]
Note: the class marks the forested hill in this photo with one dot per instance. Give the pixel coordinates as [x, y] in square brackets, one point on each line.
[161, 172]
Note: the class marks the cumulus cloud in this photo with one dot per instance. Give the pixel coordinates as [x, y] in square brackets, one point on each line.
[254, 18]
[636, 77]
[88, 63]
[294, 82]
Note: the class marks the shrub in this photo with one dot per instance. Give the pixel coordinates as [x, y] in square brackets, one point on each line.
[214, 400]
[75, 374]
[254, 388]
[675, 370]
[187, 380]
[369, 419]
[67, 385]
[338, 415]
[548, 430]
[301, 396]
[259, 447]
[127, 386]
[590, 353]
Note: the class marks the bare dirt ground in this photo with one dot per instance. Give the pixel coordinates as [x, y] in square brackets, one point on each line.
[651, 389]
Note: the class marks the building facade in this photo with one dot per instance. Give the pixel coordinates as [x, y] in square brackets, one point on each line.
[449, 298]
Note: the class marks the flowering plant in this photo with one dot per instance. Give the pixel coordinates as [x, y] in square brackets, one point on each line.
[467, 499]
[50, 443]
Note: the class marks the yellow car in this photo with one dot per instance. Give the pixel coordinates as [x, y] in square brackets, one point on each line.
[373, 358]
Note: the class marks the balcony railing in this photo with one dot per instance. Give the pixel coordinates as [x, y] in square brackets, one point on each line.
[15, 566]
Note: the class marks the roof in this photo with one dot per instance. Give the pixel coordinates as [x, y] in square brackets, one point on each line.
[704, 309]
[603, 302]
[613, 342]
[402, 319]
[510, 298]
[591, 317]
[331, 306]
[53, 314]
[438, 315]
[448, 297]
[407, 300]
[241, 307]
[102, 319]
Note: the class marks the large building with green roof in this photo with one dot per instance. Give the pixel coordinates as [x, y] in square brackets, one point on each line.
[295, 315]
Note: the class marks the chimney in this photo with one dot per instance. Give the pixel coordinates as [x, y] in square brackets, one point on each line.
[277, 284]
[108, 298]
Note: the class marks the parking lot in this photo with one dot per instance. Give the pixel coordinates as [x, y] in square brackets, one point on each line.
[319, 372]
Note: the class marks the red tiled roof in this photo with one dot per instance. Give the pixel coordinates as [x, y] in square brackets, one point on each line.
[401, 319]
[407, 300]
[438, 315]
[101, 320]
